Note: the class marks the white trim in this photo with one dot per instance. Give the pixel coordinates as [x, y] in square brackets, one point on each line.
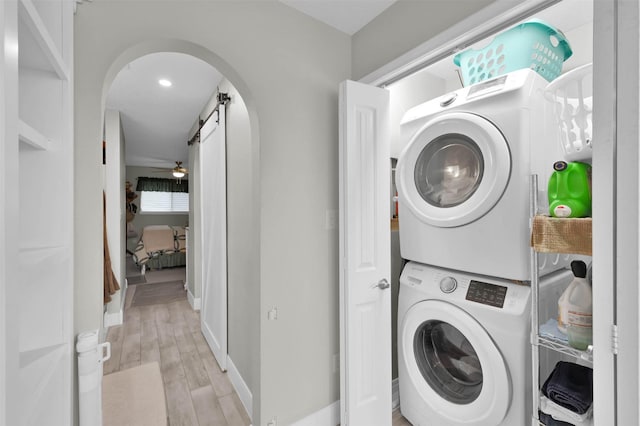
[113, 318]
[395, 393]
[240, 386]
[328, 416]
[193, 301]
[496, 16]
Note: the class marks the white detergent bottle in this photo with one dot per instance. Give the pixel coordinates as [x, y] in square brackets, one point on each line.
[580, 318]
[579, 269]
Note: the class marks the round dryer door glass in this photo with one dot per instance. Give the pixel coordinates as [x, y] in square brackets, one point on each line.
[448, 362]
[449, 170]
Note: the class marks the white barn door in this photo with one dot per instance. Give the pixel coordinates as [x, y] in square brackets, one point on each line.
[365, 265]
[213, 201]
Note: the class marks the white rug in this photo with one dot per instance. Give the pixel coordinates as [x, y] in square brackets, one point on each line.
[134, 397]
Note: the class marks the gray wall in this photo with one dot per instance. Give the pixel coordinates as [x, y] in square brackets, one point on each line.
[115, 198]
[290, 84]
[403, 26]
[141, 219]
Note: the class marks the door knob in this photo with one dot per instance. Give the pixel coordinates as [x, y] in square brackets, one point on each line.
[382, 284]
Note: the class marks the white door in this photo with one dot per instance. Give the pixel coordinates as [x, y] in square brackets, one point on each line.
[365, 267]
[213, 202]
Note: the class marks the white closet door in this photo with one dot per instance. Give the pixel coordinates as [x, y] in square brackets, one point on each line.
[213, 197]
[365, 261]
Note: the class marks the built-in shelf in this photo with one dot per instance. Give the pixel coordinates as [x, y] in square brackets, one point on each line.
[30, 17]
[33, 138]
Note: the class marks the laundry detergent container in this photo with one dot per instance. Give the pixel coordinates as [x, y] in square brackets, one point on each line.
[533, 44]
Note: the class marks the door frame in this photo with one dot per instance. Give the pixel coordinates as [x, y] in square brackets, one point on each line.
[609, 238]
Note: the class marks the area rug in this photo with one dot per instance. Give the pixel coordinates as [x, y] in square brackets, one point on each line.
[159, 293]
[136, 279]
[134, 396]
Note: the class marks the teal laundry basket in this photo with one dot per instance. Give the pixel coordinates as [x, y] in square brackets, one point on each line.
[533, 44]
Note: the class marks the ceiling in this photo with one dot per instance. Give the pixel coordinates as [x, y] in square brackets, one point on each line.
[156, 120]
[348, 16]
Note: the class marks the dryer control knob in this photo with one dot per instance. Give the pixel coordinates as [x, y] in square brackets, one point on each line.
[448, 284]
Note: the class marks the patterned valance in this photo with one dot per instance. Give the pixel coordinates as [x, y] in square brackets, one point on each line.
[162, 185]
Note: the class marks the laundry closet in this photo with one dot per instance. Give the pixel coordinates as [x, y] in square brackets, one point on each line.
[479, 245]
[464, 280]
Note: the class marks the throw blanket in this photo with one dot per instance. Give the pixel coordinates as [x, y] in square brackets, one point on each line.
[157, 240]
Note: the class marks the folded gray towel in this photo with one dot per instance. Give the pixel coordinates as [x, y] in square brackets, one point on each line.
[570, 386]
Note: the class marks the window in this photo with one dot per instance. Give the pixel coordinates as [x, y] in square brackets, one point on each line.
[164, 202]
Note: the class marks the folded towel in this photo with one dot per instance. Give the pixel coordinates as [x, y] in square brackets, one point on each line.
[550, 330]
[570, 386]
[547, 420]
[560, 413]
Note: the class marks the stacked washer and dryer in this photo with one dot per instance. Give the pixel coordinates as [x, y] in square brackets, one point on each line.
[464, 305]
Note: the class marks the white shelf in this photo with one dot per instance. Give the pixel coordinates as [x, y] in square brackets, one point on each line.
[33, 138]
[31, 18]
[562, 348]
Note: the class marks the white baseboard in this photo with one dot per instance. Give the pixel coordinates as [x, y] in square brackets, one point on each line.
[328, 416]
[194, 302]
[113, 318]
[240, 386]
[395, 394]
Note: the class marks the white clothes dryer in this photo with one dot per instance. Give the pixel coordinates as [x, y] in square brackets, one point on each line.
[464, 177]
[463, 347]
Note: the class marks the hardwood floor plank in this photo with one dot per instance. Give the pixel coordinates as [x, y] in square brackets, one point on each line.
[231, 413]
[208, 410]
[240, 407]
[166, 336]
[179, 405]
[184, 339]
[130, 349]
[115, 336]
[171, 364]
[398, 420]
[195, 371]
[201, 344]
[220, 381]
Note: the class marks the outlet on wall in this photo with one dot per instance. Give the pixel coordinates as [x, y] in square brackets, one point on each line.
[336, 363]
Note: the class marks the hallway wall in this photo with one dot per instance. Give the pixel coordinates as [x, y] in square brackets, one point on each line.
[404, 26]
[291, 85]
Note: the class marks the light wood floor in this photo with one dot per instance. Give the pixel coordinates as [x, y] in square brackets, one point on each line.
[197, 392]
[398, 420]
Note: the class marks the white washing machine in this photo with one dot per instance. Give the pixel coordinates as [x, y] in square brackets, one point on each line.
[463, 347]
[464, 177]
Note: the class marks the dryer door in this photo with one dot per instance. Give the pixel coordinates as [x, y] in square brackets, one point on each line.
[454, 169]
[454, 364]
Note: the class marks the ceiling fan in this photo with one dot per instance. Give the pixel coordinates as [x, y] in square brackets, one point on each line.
[178, 171]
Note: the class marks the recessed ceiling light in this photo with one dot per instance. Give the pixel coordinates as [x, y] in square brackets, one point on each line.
[164, 82]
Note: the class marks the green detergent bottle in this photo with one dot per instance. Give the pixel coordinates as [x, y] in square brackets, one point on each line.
[570, 190]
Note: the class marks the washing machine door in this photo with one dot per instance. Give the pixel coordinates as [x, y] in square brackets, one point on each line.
[454, 169]
[454, 365]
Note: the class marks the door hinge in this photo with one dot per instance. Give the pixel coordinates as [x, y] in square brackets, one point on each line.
[614, 339]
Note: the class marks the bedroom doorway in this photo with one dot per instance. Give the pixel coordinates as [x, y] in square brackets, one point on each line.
[165, 170]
